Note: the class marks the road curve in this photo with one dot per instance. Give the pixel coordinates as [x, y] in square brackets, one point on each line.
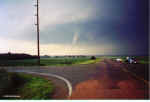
[55, 76]
[103, 80]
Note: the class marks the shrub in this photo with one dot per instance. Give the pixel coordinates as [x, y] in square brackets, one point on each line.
[93, 58]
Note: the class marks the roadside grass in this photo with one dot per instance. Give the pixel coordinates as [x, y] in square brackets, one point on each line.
[25, 85]
[67, 61]
[90, 61]
[144, 62]
[49, 62]
[36, 88]
[143, 59]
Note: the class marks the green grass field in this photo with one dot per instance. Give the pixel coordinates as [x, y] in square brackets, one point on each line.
[66, 61]
[49, 62]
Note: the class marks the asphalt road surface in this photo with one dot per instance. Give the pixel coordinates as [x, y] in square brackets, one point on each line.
[103, 80]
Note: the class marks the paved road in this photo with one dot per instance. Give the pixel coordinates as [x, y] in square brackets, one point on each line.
[75, 74]
[104, 80]
[111, 82]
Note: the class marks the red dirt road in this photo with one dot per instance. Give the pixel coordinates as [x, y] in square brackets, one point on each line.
[111, 82]
[103, 80]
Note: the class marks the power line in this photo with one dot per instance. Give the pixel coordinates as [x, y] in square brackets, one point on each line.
[38, 31]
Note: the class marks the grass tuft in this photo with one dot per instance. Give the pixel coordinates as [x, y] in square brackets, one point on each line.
[25, 85]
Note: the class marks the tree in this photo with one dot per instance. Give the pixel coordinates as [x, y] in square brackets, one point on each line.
[93, 58]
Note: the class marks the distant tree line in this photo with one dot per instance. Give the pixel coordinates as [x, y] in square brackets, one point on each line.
[13, 56]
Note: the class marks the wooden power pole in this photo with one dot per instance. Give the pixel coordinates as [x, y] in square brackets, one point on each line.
[38, 31]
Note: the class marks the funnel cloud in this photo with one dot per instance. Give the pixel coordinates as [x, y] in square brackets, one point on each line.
[75, 27]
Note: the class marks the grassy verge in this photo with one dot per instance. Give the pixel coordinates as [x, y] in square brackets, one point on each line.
[144, 62]
[39, 88]
[90, 61]
[26, 86]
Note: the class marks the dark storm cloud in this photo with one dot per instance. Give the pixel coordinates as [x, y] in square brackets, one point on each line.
[122, 23]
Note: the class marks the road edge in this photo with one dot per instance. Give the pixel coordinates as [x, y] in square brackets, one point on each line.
[68, 83]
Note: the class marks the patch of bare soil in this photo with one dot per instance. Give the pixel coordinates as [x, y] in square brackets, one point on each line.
[94, 89]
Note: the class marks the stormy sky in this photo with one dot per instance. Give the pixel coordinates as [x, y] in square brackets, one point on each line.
[75, 27]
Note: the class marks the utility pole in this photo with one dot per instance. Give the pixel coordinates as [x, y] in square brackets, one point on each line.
[38, 31]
